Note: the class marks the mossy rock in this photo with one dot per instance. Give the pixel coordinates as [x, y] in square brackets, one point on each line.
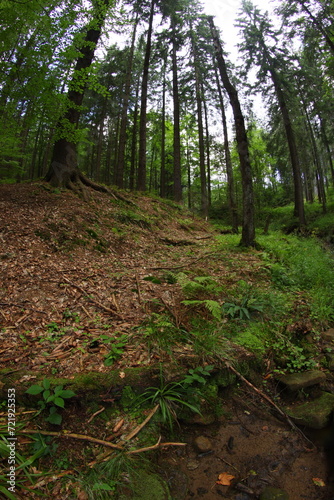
[147, 486]
[315, 414]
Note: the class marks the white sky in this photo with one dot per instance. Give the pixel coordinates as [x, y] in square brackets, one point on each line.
[225, 12]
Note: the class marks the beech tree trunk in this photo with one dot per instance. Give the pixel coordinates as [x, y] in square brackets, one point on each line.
[63, 171]
[248, 224]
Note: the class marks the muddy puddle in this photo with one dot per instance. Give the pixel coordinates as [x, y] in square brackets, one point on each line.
[254, 447]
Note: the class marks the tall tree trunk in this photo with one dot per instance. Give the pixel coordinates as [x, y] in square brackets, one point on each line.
[163, 136]
[64, 165]
[122, 133]
[228, 161]
[201, 147]
[297, 178]
[248, 224]
[176, 102]
[141, 180]
[207, 148]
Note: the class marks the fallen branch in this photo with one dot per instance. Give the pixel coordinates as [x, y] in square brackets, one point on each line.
[269, 400]
[64, 434]
[139, 427]
[95, 414]
[154, 447]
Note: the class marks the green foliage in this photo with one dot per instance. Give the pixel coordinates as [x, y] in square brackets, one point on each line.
[52, 399]
[197, 375]
[116, 348]
[302, 264]
[172, 396]
[159, 330]
[211, 305]
[290, 356]
[199, 286]
[246, 304]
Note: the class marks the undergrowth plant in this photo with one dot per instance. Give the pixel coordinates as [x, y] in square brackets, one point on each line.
[51, 399]
[174, 395]
[302, 264]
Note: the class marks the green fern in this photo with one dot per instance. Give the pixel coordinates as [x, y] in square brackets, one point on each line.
[211, 305]
[199, 286]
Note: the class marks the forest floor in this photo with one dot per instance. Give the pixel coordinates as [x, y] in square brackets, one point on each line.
[88, 288]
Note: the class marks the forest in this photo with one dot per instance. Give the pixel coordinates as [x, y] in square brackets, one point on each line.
[141, 96]
[166, 251]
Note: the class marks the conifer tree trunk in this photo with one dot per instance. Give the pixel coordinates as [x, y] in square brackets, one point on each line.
[163, 136]
[297, 178]
[141, 180]
[201, 146]
[122, 133]
[248, 224]
[228, 162]
[176, 102]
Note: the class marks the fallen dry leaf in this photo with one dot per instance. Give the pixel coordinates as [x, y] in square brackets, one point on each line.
[225, 479]
[121, 374]
[318, 482]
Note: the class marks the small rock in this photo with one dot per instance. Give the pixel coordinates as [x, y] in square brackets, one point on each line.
[328, 336]
[298, 381]
[270, 493]
[192, 464]
[203, 444]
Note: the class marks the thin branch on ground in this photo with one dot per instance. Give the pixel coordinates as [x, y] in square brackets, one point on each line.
[70, 435]
[140, 426]
[269, 400]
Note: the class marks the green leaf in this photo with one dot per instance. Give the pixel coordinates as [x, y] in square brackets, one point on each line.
[67, 394]
[59, 402]
[55, 418]
[46, 384]
[103, 486]
[46, 394]
[34, 389]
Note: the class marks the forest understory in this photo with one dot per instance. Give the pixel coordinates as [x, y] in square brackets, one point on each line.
[119, 317]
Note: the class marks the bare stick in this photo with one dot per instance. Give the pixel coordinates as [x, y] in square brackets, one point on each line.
[95, 414]
[270, 401]
[154, 447]
[64, 434]
[139, 427]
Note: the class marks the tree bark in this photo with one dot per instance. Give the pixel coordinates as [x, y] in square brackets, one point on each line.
[122, 133]
[228, 161]
[141, 180]
[248, 224]
[176, 132]
[201, 146]
[297, 179]
[64, 171]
